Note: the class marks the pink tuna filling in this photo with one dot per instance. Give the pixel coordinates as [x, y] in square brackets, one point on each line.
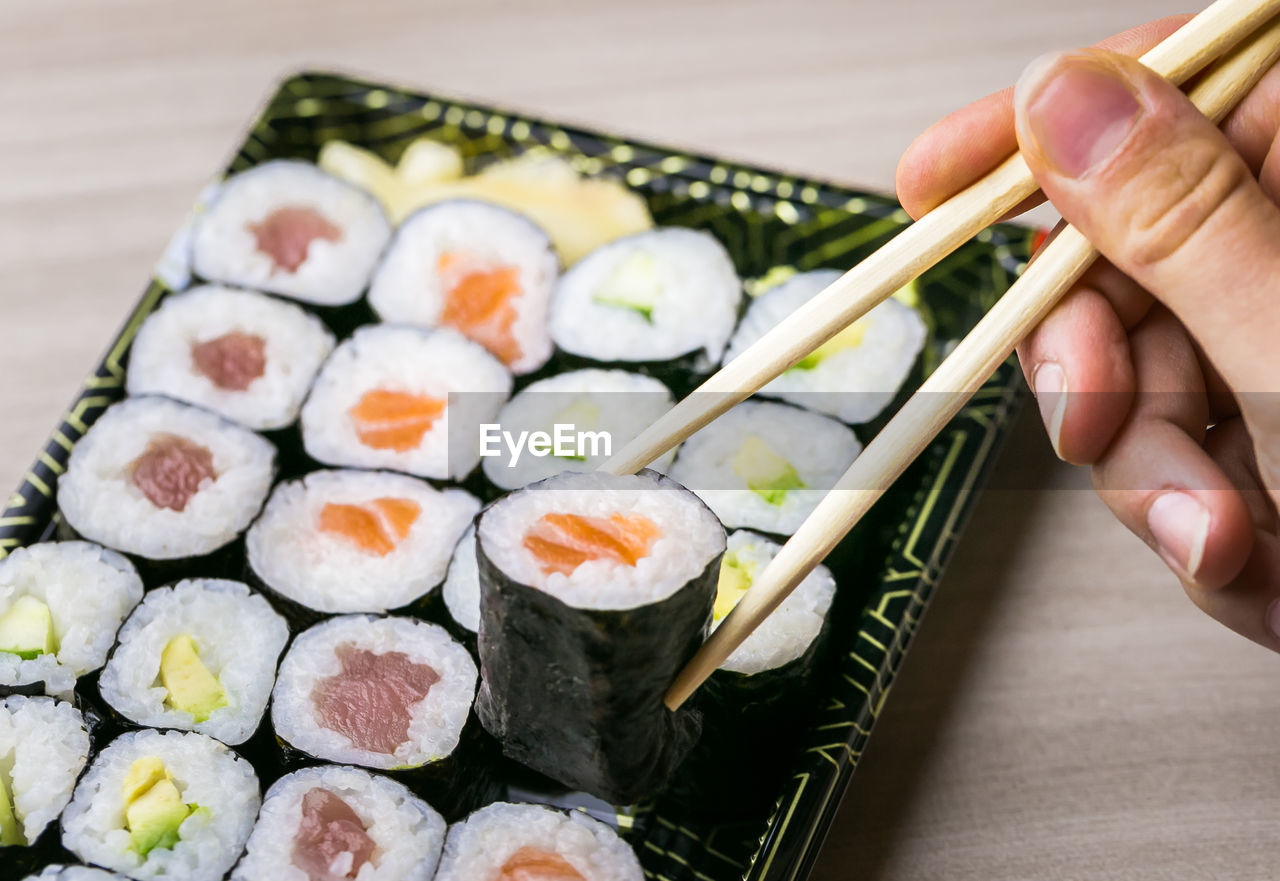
[331, 843]
[371, 701]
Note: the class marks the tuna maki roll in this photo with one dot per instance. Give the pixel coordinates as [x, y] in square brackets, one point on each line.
[406, 399]
[43, 748]
[199, 656]
[357, 541]
[595, 590]
[332, 822]
[477, 268]
[289, 228]
[164, 481]
[512, 842]
[246, 356]
[163, 805]
[764, 465]
[61, 604]
[854, 375]
[654, 296]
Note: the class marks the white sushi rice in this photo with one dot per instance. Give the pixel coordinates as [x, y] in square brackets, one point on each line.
[206, 773]
[89, 590]
[854, 384]
[100, 501]
[296, 344]
[690, 538]
[225, 249]
[819, 448]
[407, 833]
[462, 584]
[408, 287]
[613, 403]
[293, 556]
[238, 638]
[440, 364]
[43, 748]
[436, 721]
[480, 846]
[74, 873]
[792, 627]
[696, 308]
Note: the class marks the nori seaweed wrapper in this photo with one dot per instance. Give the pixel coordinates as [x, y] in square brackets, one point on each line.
[577, 694]
[223, 562]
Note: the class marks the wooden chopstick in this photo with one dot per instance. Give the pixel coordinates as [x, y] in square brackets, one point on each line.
[1057, 267]
[911, 252]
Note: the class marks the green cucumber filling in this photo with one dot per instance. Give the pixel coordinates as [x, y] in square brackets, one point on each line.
[26, 629]
[849, 338]
[767, 474]
[583, 416]
[634, 285]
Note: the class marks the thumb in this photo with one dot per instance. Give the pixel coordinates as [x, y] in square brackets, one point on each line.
[1128, 160]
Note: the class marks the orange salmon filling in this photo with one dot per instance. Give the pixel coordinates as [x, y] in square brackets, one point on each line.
[387, 420]
[563, 542]
[377, 527]
[286, 234]
[479, 304]
[531, 864]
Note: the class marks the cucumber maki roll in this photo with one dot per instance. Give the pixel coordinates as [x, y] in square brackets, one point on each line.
[653, 296]
[764, 465]
[515, 842]
[331, 822]
[855, 374]
[482, 270]
[595, 591]
[74, 873]
[357, 541]
[43, 748]
[245, 356]
[200, 656]
[406, 399]
[163, 805]
[61, 604]
[289, 228]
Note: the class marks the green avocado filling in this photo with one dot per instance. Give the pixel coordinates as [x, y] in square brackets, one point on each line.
[767, 474]
[26, 629]
[192, 688]
[736, 578]
[153, 808]
[583, 416]
[633, 285]
[10, 825]
[849, 338]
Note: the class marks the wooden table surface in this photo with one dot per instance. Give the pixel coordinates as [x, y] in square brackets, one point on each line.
[1064, 714]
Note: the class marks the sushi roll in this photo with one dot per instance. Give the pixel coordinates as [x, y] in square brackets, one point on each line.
[331, 822]
[654, 296]
[483, 270]
[289, 228]
[357, 541]
[162, 480]
[406, 399]
[163, 805]
[61, 604]
[595, 590]
[764, 465]
[585, 414]
[74, 873]
[200, 656]
[378, 692]
[245, 356]
[854, 375]
[461, 589]
[43, 748]
[507, 842]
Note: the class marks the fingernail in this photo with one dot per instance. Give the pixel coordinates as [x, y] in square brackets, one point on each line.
[1050, 385]
[1180, 526]
[1078, 109]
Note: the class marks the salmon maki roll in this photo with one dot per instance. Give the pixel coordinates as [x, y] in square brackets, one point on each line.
[482, 270]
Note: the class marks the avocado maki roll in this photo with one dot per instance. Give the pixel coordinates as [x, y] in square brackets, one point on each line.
[43, 748]
[163, 805]
[245, 356]
[482, 270]
[331, 822]
[854, 375]
[74, 873]
[289, 228]
[357, 541]
[199, 656]
[508, 842]
[595, 591]
[406, 399]
[61, 604]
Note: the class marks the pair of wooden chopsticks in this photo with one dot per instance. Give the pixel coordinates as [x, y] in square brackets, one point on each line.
[1210, 35]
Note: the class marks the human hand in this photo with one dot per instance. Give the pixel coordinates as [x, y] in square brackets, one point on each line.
[1159, 368]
